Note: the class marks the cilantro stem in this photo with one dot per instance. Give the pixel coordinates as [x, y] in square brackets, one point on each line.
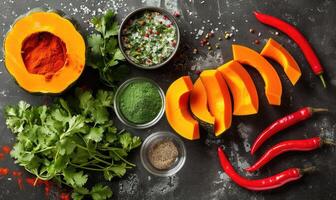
[97, 153]
[94, 156]
[87, 168]
[46, 149]
[121, 158]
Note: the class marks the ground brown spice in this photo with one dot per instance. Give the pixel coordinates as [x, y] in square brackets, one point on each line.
[43, 53]
[163, 155]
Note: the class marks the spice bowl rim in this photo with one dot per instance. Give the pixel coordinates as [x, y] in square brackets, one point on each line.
[123, 119]
[155, 9]
[161, 135]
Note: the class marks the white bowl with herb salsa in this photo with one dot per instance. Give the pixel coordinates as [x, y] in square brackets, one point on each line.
[149, 37]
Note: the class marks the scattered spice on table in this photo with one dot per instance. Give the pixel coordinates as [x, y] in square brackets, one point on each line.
[44, 53]
[149, 39]
[18, 176]
[6, 149]
[163, 154]
[4, 171]
[140, 102]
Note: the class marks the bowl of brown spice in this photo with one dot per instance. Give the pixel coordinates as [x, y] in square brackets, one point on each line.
[163, 154]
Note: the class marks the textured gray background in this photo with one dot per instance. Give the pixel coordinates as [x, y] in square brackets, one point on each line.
[201, 177]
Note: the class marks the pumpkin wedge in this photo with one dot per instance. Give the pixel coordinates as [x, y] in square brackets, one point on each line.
[244, 92]
[273, 87]
[218, 99]
[44, 52]
[275, 51]
[177, 109]
[199, 103]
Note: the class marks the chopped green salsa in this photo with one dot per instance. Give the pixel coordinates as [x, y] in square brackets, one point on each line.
[149, 39]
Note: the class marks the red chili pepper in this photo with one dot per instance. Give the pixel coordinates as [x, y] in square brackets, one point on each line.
[283, 123]
[289, 145]
[297, 36]
[268, 183]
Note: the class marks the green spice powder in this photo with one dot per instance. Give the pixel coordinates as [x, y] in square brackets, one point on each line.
[140, 102]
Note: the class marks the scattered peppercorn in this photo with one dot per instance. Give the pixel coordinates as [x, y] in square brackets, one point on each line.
[209, 48]
[256, 41]
[208, 43]
[217, 46]
[176, 14]
[219, 39]
[252, 30]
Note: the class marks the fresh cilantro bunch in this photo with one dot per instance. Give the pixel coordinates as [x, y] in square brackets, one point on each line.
[67, 139]
[104, 53]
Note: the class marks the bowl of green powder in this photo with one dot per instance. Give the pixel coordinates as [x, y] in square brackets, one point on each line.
[139, 103]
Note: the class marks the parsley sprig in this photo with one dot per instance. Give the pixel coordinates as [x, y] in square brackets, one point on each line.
[67, 139]
[104, 54]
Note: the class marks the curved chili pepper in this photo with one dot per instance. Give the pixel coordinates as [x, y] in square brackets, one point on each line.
[297, 36]
[283, 123]
[289, 145]
[268, 183]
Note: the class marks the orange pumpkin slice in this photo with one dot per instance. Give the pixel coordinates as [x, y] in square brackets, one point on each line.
[244, 92]
[273, 87]
[177, 109]
[218, 99]
[199, 103]
[275, 51]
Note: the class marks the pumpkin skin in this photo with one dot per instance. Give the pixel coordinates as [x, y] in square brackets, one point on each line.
[39, 22]
[177, 109]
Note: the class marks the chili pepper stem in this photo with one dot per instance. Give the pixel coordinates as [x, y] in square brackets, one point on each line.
[323, 81]
[329, 142]
[308, 170]
[314, 110]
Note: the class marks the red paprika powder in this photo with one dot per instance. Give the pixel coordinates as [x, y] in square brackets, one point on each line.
[43, 53]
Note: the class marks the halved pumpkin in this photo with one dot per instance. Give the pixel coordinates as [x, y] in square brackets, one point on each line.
[273, 87]
[199, 103]
[27, 53]
[244, 92]
[177, 109]
[218, 99]
[275, 51]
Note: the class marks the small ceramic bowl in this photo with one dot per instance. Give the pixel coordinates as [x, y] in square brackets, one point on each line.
[153, 140]
[118, 112]
[134, 14]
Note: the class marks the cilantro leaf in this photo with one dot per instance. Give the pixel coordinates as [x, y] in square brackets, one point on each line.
[75, 179]
[95, 42]
[100, 192]
[95, 134]
[104, 53]
[128, 142]
[60, 140]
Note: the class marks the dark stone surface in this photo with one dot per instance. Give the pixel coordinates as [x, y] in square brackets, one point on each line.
[201, 177]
